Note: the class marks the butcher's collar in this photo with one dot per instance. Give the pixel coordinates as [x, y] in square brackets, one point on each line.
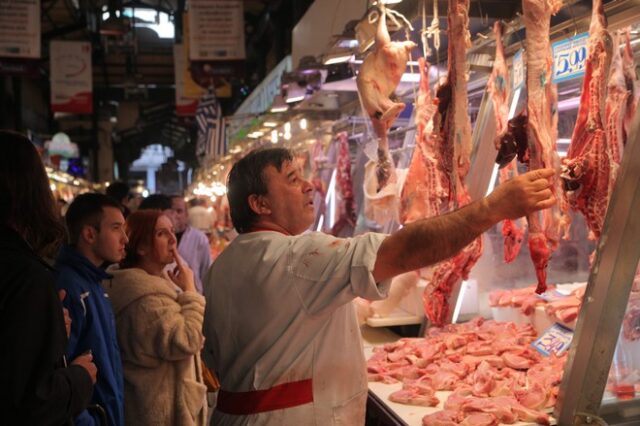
[265, 228]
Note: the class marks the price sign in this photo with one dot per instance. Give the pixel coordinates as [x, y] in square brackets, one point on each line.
[570, 58]
[556, 339]
[518, 69]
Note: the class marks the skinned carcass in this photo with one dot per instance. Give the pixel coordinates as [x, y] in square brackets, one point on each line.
[452, 130]
[541, 124]
[347, 207]
[422, 193]
[498, 88]
[587, 169]
[380, 75]
[616, 105]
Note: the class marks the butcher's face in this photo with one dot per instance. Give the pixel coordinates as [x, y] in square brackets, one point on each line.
[289, 198]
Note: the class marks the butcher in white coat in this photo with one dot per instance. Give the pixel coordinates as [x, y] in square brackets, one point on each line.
[280, 329]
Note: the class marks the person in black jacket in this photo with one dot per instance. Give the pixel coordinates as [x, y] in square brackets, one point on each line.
[36, 386]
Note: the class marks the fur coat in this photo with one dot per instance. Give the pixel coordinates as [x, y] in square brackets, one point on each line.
[160, 337]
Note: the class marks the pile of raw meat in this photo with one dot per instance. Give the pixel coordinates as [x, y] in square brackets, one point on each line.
[565, 309]
[494, 373]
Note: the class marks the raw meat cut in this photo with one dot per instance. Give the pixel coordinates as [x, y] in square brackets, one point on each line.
[498, 88]
[630, 78]
[587, 169]
[422, 193]
[542, 118]
[616, 105]
[380, 74]
[345, 186]
[452, 130]
[415, 394]
[498, 85]
[479, 384]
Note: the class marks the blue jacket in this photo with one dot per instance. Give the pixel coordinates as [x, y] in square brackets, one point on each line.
[93, 328]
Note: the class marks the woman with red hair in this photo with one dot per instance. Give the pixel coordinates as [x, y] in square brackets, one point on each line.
[159, 326]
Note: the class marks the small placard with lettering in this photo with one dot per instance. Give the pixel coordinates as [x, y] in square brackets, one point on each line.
[570, 57]
[555, 340]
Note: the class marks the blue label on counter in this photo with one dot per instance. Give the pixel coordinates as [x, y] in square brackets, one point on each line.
[555, 340]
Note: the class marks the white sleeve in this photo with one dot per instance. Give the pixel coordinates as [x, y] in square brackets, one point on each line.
[329, 272]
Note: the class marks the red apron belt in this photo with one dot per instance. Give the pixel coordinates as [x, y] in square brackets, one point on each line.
[285, 395]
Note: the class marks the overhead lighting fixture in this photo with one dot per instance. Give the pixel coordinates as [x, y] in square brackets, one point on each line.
[279, 105]
[303, 124]
[270, 124]
[274, 136]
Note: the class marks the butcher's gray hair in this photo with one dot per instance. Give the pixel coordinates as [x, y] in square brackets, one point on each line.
[247, 178]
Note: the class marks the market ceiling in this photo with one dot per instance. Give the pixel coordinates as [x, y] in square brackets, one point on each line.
[140, 67]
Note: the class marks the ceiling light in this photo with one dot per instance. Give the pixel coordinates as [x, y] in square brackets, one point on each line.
[274, 136]
[270, 124]
[287, 127]
[303, 124]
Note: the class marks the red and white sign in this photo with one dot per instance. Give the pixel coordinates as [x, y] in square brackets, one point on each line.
[71, 77]
[186, 104]
[216, 30]
[20, 28]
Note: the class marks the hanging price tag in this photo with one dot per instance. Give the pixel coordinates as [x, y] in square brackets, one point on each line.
[518, 69]
[570, 57]
[556, 339]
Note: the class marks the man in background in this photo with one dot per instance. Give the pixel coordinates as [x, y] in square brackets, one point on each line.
[95, 226]
[120, 192]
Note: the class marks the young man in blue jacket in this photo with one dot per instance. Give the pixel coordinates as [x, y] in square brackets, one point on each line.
[96, 237]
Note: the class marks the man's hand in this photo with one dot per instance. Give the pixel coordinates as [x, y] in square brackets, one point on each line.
[86, 361]
[65, 312]
[182, 275]
[522, 195]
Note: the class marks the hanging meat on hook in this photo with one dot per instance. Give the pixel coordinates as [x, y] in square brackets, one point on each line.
[422, 193]
[345, 186]
[630, 78]
[452, 133]
[542, 120]
[587, 169]
[616, 106]
[380, 74]
[498, 88]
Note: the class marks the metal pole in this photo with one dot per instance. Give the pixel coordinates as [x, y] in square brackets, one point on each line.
[607, 294]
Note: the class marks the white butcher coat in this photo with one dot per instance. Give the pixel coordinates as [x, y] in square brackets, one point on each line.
[279, 310]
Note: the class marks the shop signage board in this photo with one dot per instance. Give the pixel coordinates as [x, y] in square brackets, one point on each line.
[518, 69]
[71, 77]
[569, 58]
[20, 28]
[187, 91]
[216, 30]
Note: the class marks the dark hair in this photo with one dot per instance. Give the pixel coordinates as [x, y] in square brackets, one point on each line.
[87, 209]
[156, 202]
[26, 201]
[139, 227]
[247, 178]
[118, 191]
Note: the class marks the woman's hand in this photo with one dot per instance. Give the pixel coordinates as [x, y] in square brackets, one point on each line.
[182, 275]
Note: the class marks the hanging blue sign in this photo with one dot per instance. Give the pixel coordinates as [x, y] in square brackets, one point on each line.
[569, 57]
